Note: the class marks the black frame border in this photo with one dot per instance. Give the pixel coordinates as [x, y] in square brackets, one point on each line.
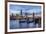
[24, 2]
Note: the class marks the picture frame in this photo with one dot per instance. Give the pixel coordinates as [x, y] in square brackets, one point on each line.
[24, 4]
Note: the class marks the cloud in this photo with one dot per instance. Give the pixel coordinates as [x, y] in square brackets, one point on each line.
[14, 12]
[30, 11]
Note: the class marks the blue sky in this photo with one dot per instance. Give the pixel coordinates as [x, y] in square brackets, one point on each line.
[25, 8]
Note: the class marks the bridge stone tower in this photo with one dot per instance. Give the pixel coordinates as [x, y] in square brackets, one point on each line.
[33, 16]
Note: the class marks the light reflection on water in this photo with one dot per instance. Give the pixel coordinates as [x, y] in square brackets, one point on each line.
[14, 24]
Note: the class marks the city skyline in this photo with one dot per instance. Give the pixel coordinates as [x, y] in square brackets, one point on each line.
[25, 8]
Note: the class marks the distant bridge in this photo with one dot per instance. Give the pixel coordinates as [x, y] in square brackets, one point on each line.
[25, 17]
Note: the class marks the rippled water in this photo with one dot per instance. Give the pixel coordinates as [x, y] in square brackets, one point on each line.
[15, 24]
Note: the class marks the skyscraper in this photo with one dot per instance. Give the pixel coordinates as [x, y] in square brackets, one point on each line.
[21, 12]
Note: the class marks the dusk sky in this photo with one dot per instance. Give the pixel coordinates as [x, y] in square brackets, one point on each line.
[25, 8]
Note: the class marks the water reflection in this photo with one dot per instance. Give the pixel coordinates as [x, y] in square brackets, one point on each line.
[16, 24]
